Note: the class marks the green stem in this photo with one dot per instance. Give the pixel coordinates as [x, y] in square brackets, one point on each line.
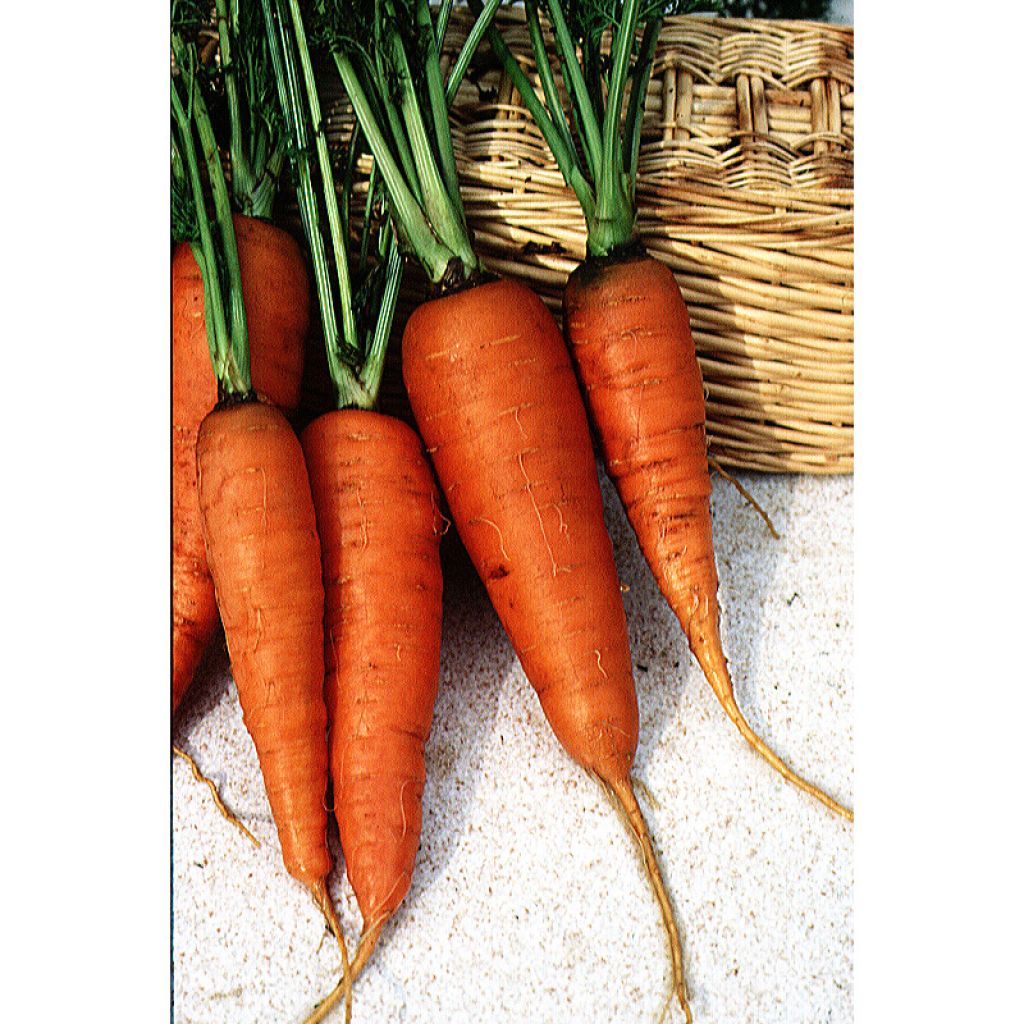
[564, 152]
[615, 216]
[592, 74]
[469, 47]
[233, 371]
[439, 112]
[441, 26]
[638, 98]
[339, 239]
[241, 171]
[391, 115]
[373, 366]
[236, 378]
[283, 45]
[364, 240]
[437, 204]
[547, 76]
[204, 252]
[625, 35]
[263, 196]
[572, 74]
[428, 248]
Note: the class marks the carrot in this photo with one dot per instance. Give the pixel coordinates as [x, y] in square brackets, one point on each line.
[626, 321]
[630, 335]
[258, 521]
[493, 394]
[378, 521]
[276, 295]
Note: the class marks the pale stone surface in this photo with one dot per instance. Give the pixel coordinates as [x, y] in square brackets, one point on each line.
[528, 902]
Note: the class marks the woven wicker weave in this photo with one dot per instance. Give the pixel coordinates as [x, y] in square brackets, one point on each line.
[745, 190]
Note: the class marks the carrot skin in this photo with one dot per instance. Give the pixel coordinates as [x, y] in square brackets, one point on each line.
[493, 392]
[628, 329]
[379, 526]
[276, 293]
[264, 556]
[629, 332]
[494, 395]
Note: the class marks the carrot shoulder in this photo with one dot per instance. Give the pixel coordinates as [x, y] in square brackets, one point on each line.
[629, 332]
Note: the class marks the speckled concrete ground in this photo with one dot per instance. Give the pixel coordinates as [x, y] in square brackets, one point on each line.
[529, 903]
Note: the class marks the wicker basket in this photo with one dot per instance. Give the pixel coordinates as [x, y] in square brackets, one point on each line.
[745, 190]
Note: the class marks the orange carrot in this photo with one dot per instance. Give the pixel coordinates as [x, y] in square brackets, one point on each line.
[625, 320]
[629, 332]
[260, 531]
[378, 521]
[492, 388]
[276, 295]
[255, 505]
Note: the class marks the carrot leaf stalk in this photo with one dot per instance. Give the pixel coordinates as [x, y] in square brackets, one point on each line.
[355, 352]
[222, 278]
[387, 55]
[606, 98]
[256, 148]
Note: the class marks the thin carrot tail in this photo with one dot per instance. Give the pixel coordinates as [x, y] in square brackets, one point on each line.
[708, 653]
[344, 987]
[367, 944]
[200, 777]
[720, 469]
[625, 800]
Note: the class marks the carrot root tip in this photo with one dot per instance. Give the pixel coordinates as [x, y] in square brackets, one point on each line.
[221, 806]
[343, 990]
[744, 493]
[624, 799]
[762, 748]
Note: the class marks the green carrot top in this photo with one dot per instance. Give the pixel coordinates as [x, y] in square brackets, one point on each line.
[606, 94]
[194, 143]
[357, 302]
[387, 55]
